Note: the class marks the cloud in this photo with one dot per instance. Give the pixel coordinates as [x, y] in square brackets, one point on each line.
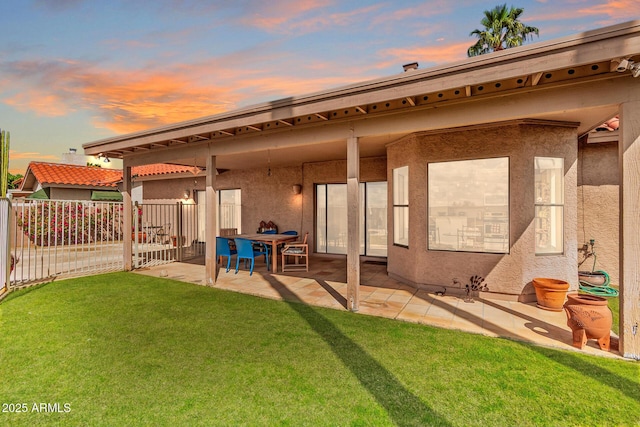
[127, 100]
[435, 54]
[610, 11]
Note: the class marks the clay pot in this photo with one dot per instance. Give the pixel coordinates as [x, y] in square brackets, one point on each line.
[141, 237]
[589, 317]
[594, 279]
[550, 293]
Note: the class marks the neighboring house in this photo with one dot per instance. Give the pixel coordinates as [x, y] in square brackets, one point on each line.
[58, 181]
[484, 167]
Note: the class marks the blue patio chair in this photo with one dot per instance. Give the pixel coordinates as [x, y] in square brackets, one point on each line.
[224, 249]
[269, 232]
[290, 232]
[247, 252]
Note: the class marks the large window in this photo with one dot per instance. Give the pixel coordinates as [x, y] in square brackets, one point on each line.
[331, 218]
[230, 209]
[401, 206]
[549, 187]
[469, 205]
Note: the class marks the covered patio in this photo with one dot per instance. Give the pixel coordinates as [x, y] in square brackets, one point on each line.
[521, 105]
[325, 286]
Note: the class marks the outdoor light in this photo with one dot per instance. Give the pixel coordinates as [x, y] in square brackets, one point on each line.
[623, 65]
[187, 193]
[297, 189]
[635, 70]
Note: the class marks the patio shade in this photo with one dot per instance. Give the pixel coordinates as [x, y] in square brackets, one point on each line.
[41, 194]
[103, 196]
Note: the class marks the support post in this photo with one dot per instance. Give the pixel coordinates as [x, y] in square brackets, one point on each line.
[353, 224]
[629, 165]
[211, 208]
[127, 212]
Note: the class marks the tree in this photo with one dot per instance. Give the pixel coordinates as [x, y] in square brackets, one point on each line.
[12, 178]
[502, 30]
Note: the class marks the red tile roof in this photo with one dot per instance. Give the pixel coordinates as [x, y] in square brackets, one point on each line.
[160, 169]
[48, 174]
[58, 173]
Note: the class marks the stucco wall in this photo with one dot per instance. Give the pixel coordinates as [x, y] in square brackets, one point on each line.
[598, 206]
[510, 274]
[172, 188]
[271, 198]
[69, 194]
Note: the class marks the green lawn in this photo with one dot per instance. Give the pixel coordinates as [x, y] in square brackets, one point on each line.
[127, 350]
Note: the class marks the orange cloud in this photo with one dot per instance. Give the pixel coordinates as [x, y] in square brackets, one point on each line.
[42, 103]
[30, 155]
[271, 16]
[424, 55]
[611, 10]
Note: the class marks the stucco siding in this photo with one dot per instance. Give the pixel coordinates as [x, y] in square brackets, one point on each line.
[505, 274]
[598, 206]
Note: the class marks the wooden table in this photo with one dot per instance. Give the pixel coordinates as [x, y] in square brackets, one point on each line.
[273, 239]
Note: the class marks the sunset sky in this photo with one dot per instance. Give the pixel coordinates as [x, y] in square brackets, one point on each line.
[75, 71]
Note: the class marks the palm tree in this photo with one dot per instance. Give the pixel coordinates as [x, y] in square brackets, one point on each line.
[502, 30]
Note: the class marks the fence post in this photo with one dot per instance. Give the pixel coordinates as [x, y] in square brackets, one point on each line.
[179, 233]
[5, 249]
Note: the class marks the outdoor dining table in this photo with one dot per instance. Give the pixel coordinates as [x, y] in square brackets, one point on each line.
[273, 239]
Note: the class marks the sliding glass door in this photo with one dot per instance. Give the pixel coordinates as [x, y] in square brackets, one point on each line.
[331, 218]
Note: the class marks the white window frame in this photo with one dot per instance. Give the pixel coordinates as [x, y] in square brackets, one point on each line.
[401, 206]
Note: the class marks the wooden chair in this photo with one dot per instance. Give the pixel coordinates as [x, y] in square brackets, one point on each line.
[296, 250]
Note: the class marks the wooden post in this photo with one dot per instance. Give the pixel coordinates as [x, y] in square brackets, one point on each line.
[353, 224]
[127, 212]
[629, 161]
[211, 208]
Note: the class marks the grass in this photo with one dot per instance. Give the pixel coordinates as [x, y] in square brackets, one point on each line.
[124, 349]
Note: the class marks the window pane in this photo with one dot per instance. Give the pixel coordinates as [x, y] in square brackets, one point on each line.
[230, 209]
[376, 216]
[321, 218]
[337, 219]
[401, 186]
[549, 230]
[469, 205]
[549, 180]
[401, 225]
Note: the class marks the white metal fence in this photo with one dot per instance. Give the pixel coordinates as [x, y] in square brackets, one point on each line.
[62, 238]
[165, 233]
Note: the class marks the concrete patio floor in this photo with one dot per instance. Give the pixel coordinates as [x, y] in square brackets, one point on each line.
[325, 286]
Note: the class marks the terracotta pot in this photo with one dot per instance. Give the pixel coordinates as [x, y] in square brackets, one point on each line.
[550, 293]
[589, 317]
[142, 237]
[174, 240]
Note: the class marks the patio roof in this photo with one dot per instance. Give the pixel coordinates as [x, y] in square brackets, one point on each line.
[242, 136]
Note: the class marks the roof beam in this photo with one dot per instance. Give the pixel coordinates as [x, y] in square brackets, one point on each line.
[284, 122]
[535, 79]
[361, 110]
[411, 101]
[321, 116]
[252, 127]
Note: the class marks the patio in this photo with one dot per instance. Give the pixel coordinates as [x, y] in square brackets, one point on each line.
[325, 286]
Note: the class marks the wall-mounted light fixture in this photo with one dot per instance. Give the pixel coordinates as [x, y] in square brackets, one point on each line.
[187, 193]
[297, 189]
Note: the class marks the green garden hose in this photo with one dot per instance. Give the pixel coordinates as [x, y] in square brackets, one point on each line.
[603, 290]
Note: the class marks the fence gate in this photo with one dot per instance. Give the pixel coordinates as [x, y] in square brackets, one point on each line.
[164, 233]
[64, 238]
